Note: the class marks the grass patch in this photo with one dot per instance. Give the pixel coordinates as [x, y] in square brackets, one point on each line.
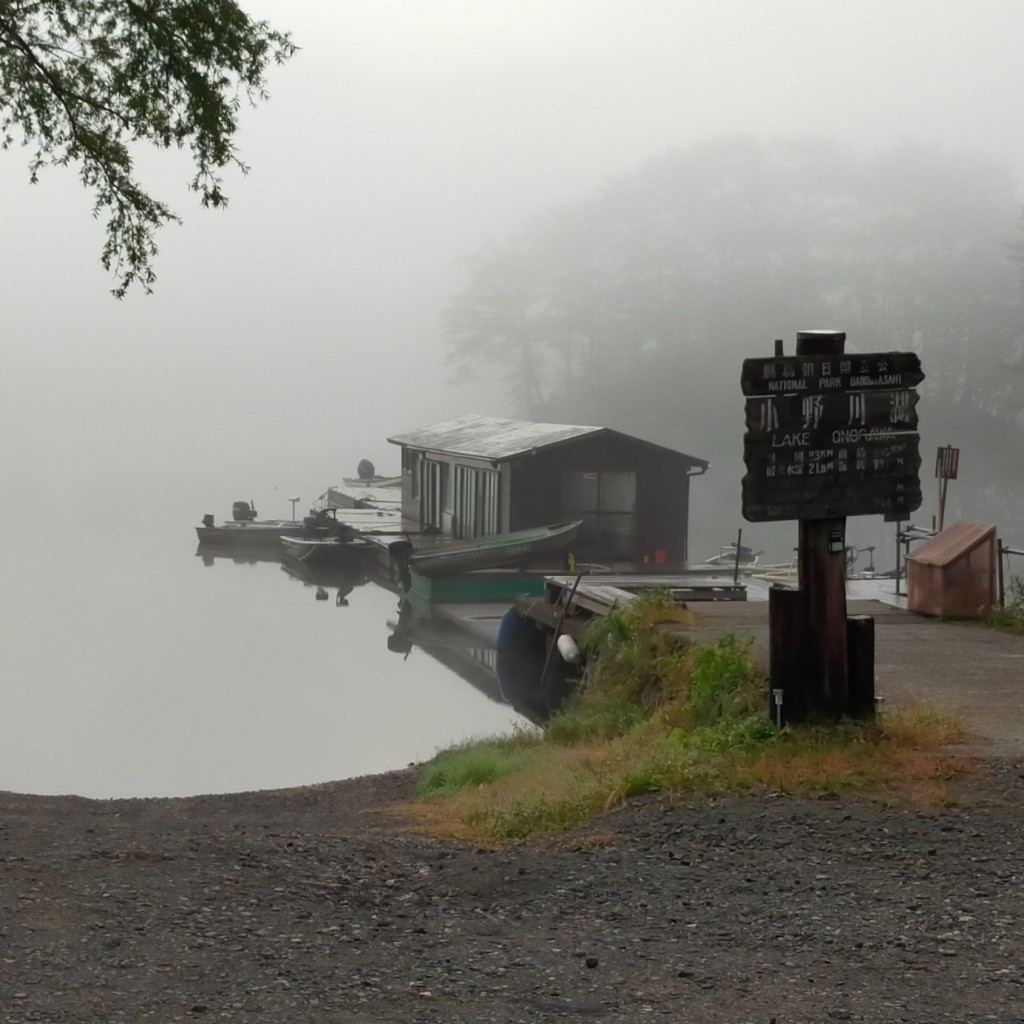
[1011, 616]
[476, 763]
[657, 712]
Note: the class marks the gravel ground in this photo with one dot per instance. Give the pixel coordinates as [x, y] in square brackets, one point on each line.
[306, 905]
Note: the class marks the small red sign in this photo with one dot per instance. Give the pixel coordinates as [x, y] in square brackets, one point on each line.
[947, 461]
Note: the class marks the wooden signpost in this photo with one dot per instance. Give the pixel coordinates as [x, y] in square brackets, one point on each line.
[828, 435]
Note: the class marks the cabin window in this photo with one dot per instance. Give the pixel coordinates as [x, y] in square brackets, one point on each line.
[491, 525]
[432, 496]
[475, 502]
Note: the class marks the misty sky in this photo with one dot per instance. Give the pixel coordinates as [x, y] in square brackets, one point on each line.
[290, 334]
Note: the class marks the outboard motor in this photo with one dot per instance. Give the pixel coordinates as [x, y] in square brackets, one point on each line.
[366, 470]
[243, 511]
[208, 519]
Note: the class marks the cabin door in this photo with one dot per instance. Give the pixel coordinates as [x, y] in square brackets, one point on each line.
[605, 501]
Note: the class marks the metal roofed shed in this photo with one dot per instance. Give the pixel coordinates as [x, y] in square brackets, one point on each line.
[474, 476]
[954, 573]
[488, 437]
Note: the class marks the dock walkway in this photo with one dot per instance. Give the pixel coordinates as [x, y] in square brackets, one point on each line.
[374, 512]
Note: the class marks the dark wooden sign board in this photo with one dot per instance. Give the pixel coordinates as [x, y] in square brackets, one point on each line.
[831, 435]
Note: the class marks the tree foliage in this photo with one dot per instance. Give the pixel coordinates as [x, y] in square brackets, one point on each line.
[83, 81]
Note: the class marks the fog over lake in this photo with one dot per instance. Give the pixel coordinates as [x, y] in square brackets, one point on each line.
[290, 334]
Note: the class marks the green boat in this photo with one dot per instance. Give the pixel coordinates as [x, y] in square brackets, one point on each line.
[521, 547]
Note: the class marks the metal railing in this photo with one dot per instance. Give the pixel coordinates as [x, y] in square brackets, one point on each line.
[905, 536]
[1004, 551]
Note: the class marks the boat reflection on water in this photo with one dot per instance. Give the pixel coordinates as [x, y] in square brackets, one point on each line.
[515, 676]
[345, 577]
[210, 553]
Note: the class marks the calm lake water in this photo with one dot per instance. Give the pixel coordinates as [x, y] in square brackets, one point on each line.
[132, 668]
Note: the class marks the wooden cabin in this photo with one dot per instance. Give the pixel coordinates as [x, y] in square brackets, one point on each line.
[473, 476]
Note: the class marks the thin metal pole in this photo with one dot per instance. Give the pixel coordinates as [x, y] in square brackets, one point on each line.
[557, 630]
[736, 569]
[898, 539]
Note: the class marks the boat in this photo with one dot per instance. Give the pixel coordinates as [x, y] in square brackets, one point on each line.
[255, 534]
[448, 558]
[263, 534]
[727, 556]
[324, 551]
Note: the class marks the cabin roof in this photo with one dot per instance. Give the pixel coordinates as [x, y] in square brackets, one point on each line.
[496, 440]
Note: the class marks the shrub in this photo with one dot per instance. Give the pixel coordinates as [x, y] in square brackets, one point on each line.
[1011, 615]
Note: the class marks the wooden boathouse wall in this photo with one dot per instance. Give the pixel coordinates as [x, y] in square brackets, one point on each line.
[660, 514]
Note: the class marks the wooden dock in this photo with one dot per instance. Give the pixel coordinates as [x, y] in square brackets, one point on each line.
[376, 514]
[600, 594]
[351, 496]
[373, 512]
[567, 605]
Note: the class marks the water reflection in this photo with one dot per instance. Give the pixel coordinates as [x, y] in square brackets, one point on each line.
[342, 576]
[529, 678]
[526, 676]
[212, 553]
[207, 674]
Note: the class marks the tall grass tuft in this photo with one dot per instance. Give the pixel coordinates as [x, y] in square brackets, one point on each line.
[1011, 616]
[637, 661]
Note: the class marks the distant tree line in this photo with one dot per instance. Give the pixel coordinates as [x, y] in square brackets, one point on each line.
[635, 307]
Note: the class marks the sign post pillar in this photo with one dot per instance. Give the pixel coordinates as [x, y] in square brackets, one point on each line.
[821, 569]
